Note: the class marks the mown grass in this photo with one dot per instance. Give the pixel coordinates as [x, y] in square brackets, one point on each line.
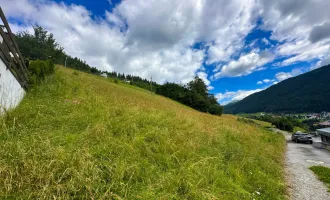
[80, 136]
[323, 173]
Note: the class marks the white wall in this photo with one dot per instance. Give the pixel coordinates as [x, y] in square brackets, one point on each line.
[11, 92]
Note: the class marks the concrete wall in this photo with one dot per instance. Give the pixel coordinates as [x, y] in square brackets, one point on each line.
[11, 92]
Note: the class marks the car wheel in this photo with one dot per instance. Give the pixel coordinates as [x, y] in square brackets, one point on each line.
[311, 142]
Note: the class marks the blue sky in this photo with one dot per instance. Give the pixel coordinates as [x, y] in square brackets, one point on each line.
[237, 47]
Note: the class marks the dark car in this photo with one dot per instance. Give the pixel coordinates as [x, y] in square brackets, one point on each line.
[302, 137]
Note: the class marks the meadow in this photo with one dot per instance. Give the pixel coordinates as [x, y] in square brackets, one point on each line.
[80, 136]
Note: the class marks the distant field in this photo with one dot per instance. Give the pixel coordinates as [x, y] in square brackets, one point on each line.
[296, 128]
[262, 123]
[79, 136]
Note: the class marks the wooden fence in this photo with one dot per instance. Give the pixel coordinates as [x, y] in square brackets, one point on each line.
[10, 54]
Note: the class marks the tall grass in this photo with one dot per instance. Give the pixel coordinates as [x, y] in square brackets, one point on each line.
[80, 136]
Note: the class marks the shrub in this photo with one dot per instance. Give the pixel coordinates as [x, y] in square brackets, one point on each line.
[39, 69]
[283, 124]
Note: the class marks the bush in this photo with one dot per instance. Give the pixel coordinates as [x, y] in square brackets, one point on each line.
[283, 124]
[39, 69]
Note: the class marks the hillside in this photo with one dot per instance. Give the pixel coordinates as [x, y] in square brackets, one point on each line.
[82, 136]
[309, 92]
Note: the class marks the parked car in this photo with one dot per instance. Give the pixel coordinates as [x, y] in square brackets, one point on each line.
[302, 137]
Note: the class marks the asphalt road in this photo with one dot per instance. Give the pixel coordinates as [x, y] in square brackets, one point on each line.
[303, 184]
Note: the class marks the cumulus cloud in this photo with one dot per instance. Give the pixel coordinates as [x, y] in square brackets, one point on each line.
[266, 81]
[281, 76]
[319, 33]
[230, 96]
[156, 38]
[321, 63]
[302, 26]
[245, 65]
[151, 38]
[133, 38]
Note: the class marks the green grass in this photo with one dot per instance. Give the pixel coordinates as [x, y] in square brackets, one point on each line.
[81, 136]
[323, 173]
[263, 123]
[296, 129]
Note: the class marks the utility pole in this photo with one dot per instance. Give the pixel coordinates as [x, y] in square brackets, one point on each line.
[151, 84]
[65, 61]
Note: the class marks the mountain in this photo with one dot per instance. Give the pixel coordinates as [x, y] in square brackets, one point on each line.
[309, 92]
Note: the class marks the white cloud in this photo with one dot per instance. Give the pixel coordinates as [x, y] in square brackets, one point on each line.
[154, 44]
[265, 81]
[265, 41]
[321, 63]
[225, 24]
[230, 96]
[154, 38]
[302, 26]
[281, 76]
[245, 65]
[151, 38]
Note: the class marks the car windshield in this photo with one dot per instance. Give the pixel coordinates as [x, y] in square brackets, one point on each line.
[301, 133]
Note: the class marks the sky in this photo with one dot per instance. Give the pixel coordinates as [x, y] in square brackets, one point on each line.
[237, 47]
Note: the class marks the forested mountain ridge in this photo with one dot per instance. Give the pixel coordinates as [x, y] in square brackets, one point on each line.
[309, 92]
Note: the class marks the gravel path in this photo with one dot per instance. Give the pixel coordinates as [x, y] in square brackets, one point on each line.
[303, 184]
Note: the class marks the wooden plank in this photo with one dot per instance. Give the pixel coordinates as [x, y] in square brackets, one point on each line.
[19, 75]
[4, 20]
[13, 51]
[16, 58]
[8, 62]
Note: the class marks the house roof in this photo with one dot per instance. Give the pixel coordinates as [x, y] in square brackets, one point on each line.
[324, 131]
[326, 123]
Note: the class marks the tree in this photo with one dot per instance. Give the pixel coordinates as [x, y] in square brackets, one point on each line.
[197, 85]
[42, 45]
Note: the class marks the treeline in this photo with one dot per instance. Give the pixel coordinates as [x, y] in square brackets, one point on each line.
[194, 94]
[282, 123]
[134, 80]
[42, 46]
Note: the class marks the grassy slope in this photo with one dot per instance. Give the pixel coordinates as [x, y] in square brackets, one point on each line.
[81, 136]
[323, 173]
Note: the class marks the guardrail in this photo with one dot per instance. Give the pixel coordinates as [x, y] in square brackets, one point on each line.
[10, 54]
